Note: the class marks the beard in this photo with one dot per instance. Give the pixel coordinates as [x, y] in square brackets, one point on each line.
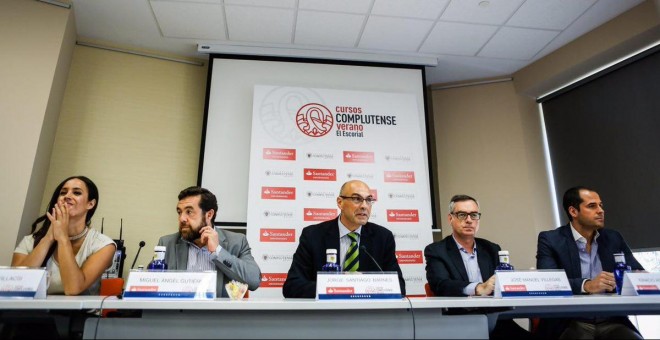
[194, 234]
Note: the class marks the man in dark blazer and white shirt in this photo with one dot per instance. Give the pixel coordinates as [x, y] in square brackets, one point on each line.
[354, 201]
[585, 250]
[464, 265]
[200, 246]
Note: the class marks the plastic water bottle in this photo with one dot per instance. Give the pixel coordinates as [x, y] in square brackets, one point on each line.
[619, 269]
[158, 263]
[331, 261]
[504, 261]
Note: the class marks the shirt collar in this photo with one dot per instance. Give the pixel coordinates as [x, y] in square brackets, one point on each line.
[460, 247]
[343, 231]
[578, 237]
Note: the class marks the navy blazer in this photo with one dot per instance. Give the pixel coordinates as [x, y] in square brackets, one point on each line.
[557, 250]
[445, 270]
[310, 255]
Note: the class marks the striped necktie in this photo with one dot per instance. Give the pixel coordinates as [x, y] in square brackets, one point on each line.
[352, 261]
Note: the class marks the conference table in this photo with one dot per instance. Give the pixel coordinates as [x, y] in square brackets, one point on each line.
[408, 318]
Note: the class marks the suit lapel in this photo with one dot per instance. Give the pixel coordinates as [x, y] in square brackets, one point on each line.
[366, 240]
[605, 252]
[573, 255]
[331, 239]
[485, 262]
[456, 259]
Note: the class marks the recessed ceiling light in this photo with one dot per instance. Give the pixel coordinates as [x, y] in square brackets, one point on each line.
[484, 3]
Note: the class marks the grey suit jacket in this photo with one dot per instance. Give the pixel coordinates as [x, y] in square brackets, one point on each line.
[234, 262]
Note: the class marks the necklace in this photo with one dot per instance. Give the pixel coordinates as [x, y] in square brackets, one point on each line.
[79, 236]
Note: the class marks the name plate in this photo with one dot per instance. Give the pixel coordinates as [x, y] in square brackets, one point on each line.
[171, 285]
[639, 283]
[23, 283]
[345, 285]
[531, 283]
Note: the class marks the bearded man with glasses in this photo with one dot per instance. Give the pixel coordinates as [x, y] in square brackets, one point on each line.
[464, 265]
[362, 246]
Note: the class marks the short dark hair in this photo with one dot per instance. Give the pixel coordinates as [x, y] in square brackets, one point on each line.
[572, 199]
[460, 198]
[207, 199]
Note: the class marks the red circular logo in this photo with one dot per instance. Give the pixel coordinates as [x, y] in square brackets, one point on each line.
[314, 120]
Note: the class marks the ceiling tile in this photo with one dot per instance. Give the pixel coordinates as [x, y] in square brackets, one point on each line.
[344, 6]
[328, 29]
[495, 13]
[422, 9]
[517, 43]
[396, 34]
[259, 24]
[265, 3]
[544, 14]
[598, 14]
[457, 38]
[190, 20]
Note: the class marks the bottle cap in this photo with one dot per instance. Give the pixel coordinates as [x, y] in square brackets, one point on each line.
[160, 248]
[331, 251]
[503, 252]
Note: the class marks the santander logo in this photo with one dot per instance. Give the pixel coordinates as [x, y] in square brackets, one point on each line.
[399, 177]
[320, 174]
[358, 157]
[340, 290]
[403, 215]
[314, 120]
[272, 280]
[314, 214]
[277, 235]
[409, 256]
[279, 154]
[278, 193]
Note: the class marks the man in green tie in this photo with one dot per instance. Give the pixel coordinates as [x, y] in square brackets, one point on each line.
[363, 246]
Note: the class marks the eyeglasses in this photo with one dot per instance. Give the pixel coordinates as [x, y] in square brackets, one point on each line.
[359, 199]
[475, 216]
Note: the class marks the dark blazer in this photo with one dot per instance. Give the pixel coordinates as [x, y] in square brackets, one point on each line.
[556, 249]
[310, 255]
[235, 261]
[445, 271]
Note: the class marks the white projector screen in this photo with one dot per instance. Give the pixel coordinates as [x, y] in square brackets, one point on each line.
[225, 152]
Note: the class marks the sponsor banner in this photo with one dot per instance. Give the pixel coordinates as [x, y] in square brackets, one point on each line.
[277, 235]
[338, 135]
[278, 193]
[409, 257]
[402, 215]
[399, 177]
[279, 154]
[315, 214]
[358, 157]
[320, 175]
[272, 280]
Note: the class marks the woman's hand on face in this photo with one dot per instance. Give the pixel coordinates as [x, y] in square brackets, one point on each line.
[59, 222]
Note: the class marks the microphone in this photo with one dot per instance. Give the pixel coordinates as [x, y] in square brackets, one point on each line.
[364, 249]
[142, 244]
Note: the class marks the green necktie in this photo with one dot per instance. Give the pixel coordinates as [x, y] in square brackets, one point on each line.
[352, 261]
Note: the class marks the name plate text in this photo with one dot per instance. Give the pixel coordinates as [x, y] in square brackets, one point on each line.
[171, 285]
[357, 286]
[639, 283]
[23, 283]
[524, 283]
